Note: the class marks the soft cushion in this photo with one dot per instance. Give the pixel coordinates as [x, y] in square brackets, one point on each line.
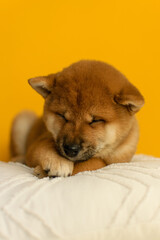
[120, 201]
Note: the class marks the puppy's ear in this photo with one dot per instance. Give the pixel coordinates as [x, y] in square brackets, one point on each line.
[43, 85]
[130, 97]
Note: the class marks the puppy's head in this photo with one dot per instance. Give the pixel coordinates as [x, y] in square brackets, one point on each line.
[89, 106]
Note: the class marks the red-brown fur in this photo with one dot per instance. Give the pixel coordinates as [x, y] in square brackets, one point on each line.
[73, 97]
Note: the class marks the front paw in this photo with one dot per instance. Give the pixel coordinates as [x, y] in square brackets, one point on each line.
[54, 168]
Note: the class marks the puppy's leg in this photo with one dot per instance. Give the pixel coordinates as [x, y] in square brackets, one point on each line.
[89, 165]
[19, 158]
[47, 162]
[19, 131]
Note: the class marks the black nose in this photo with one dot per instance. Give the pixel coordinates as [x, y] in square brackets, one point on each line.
[71, 150]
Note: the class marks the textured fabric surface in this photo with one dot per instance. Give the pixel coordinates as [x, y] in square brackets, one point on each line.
[120, 201]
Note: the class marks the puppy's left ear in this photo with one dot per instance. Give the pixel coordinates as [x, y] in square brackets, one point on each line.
[130, 97]
[43, 85]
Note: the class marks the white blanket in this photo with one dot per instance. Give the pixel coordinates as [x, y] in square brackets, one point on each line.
[118, 202]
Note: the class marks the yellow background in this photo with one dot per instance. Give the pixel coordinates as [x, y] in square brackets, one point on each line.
[40, 37]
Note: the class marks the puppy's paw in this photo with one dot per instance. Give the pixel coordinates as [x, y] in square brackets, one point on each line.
[39, 172]
[58, 168]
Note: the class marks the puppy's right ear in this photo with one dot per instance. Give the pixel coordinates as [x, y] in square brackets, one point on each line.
[43, 85]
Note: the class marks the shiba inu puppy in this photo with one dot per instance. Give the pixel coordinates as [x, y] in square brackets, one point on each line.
[88, 121]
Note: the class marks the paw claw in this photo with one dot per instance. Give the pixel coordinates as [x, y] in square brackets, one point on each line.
[53, 176]
[39, 172]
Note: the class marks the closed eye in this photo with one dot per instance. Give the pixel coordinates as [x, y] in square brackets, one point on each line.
[96, 121]
[62, 116]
